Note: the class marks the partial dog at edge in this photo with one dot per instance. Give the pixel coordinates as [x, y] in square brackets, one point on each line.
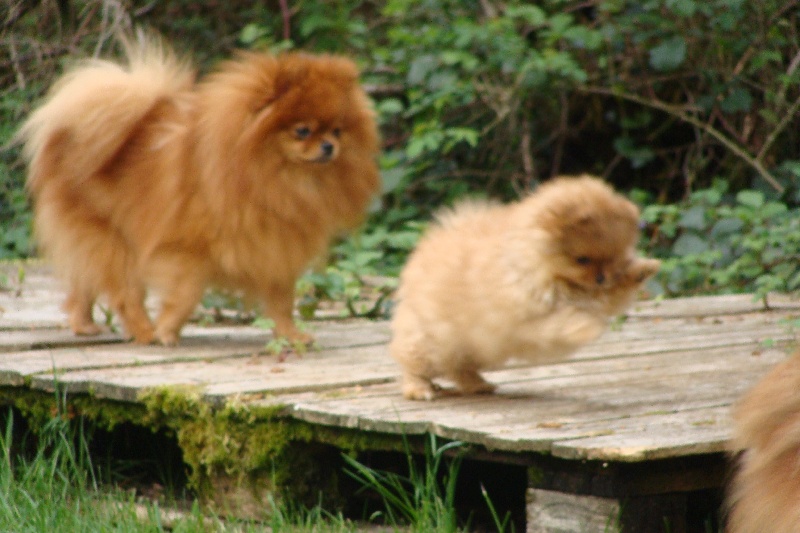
[765, 492]
[142, 177]
[534, 280]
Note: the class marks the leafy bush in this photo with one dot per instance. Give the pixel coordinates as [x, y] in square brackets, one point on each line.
[698, 89]
[718, 241]
[489, 98]
[14, 210]
[361, 272]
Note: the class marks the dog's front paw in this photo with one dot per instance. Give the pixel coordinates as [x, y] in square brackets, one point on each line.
[163, 337]
[86, 329]
[141, 335]
[418, 388]
[293, 335]
[299, 337]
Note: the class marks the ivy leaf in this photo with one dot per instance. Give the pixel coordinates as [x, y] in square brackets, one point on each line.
[392, 178]
[583, 37]
[251, 33]
[420, 68]
[791, 166]
[533, 15]
[689, 244]
[739, 99]
[390, 106]
[726, 226]
[685, 8]
[694, 218]
[638, 155]
[754, 199]
[669, 54]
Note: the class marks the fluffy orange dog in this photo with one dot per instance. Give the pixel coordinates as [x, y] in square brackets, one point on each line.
[535, 279]
[765, 493]
[144, 178]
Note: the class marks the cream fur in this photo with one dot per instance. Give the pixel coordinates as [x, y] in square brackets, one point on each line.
[487, 283]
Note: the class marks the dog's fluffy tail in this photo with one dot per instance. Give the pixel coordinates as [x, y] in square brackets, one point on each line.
[93, 109]
[765, 493]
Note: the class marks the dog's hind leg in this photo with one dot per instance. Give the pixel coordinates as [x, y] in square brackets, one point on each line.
[78, 306]
[279, 299]
[469, 381]
[177, 305]
[128, 303]
[118, 279]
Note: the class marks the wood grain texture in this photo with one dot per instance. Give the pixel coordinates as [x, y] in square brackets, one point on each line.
[657, 385]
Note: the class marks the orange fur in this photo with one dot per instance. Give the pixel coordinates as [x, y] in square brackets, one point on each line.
[144, 178]
[535, 280]
[765, 493]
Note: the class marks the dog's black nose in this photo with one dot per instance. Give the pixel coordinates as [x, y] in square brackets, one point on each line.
[327, 149]
[600, 278]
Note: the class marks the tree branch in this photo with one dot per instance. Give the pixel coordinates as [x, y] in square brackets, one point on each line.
[286, 13]
[679, 113]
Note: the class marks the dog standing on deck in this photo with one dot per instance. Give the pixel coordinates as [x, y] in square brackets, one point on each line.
[142, 177]
[535, 279]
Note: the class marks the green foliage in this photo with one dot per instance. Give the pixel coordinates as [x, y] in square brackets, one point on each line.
[419, 499]
[718, 241]
[361, 272]
[15, 218]
[55, 488]
[281, 346]
[490, 98]
[424, 499]
[715, 80]
[480, 93]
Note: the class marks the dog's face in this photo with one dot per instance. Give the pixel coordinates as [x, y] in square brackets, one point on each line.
[594, 253]
[311, 110]
[592, 235]
[311, 141]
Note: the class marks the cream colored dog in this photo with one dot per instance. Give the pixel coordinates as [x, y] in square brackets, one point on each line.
[535, 279]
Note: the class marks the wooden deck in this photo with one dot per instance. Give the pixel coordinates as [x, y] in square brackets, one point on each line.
[651, 398]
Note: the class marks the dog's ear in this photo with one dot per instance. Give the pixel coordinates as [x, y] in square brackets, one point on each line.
[274, 77]
[292, 71]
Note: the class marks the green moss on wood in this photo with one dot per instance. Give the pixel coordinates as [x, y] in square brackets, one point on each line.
[247, 451]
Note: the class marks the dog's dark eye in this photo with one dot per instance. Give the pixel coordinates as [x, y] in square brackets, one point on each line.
[583, 260]
[337, 132]
[302, 132]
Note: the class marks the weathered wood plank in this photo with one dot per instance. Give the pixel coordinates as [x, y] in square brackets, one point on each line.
[656, 385]
[16, 366]
[550, 511]
[659, 385]
[66, 352]
[233, 375]
[328, 334]
[37, 339]
[658, 436]
[531, 414]
[727, 304]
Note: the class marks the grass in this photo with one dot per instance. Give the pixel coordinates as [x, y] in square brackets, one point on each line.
[418, 498]
[55, 488]
[50, 483]
[424, 499]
